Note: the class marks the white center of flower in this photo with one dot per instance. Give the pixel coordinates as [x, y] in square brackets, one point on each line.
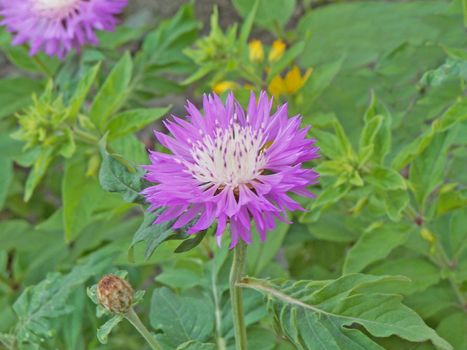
[53, 6]
[234, 156]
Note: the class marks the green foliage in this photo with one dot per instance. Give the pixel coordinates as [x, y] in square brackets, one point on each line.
[181, 318]
[38, 304]
[323, 315]
[377, 261]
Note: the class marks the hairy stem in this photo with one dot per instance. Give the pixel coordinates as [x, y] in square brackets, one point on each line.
[236, 272]
[141, 328]
[219, 339]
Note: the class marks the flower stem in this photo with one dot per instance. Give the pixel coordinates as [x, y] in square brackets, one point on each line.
[141, 328]
[236, 272]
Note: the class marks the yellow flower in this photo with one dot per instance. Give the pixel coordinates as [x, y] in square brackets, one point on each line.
[223, 86]
[290, 84]
[277, 50]
[277, 86]
[294, 80]
[256, 51]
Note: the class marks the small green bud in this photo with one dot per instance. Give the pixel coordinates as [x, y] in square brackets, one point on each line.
[115, 294]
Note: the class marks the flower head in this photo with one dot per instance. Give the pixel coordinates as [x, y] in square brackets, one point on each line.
[277, 50]
[223, 86]
[231, 166]
[256, 51]
[290, 84]
[58, 26]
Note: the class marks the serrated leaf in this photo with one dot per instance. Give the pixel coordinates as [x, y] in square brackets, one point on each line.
[321, 316]
[133, 120]
[38, 304]
[113, 92]
[181, 318]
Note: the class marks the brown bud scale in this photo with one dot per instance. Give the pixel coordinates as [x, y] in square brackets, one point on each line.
[115, 294]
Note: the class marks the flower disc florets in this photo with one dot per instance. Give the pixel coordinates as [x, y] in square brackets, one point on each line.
[231, 166]
[58, 26]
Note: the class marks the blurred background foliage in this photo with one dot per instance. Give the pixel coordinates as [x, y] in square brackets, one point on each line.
[381, 82]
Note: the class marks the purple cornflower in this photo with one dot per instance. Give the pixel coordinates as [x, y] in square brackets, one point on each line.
[231, 166]
[58, 26]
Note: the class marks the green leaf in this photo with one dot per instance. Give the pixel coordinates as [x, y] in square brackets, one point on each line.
[451, 200]
[104, 330]
[456, 114]
[113, 93]
[15, 93]
[289, 56]
[322, 315]
[133, 120]
[181, 318]
[260, 254]
[79, 95]
[329, 196]
[118, 175]
[248, 25]
[422, 273]
[427, 171]
[6, 177]
[81, 195]
[189, 244]
[184, 274]
[41, 164]
[344, 143]
[452, 68]
[270, 13]
[453, 329]
[322, 77]
[196, 345]
[395, 202]
[38, 304]
[386, 179]
[375, 245]
[329, 144]
[153, 234]
[377, 130]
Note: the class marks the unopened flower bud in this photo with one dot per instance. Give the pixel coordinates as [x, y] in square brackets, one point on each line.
[115, 294]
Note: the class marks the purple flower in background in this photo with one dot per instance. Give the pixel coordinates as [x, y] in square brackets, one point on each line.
[58, 26]
[231, 166]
